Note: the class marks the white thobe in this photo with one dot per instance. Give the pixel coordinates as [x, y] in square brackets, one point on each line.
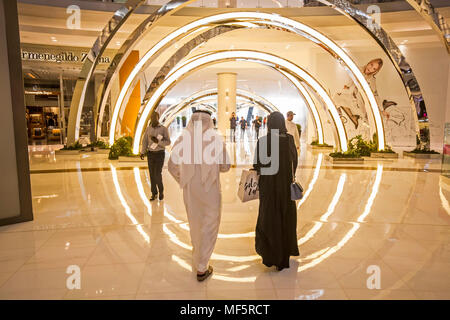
[293, 131]
[203, 209]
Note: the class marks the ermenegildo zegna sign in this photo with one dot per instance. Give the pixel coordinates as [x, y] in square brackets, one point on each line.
[66, 56]
[53, 54]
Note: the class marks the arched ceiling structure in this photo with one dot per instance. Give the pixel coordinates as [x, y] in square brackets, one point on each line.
[203, 60]
[342, 6]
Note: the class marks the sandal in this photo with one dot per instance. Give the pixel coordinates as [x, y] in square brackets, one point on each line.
[206, 274]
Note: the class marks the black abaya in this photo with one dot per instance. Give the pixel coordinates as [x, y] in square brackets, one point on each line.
[276, 228]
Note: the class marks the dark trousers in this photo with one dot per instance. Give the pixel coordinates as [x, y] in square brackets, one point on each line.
[155, 165]
[257, 133]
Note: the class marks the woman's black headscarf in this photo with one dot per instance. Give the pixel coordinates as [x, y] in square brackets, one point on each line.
[276, 121]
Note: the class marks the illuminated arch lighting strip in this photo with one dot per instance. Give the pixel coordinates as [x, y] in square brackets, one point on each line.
[313, 181]
[246, 55]
[140, 186]
[331, 208]
[310, 103]
[215, 275]
[303, 29]
[215, 256]
[126, 206]
[168, 115]
[169, 118]
[318, 256]
[355, 227]
[205, 103]
[303, 92]
[184, 225]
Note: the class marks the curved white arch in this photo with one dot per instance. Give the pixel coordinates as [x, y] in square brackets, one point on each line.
[247, 55]
[173, 109]
[166, 119]
[276, 20]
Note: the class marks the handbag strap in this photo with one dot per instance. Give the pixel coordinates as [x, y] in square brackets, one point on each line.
[293, 172]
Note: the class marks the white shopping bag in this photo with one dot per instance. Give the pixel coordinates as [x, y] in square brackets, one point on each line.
[248, 186]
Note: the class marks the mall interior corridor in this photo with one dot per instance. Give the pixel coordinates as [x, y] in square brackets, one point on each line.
[348, 99]
[96, 213]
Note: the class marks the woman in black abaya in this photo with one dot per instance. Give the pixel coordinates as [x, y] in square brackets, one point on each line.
[276, 228]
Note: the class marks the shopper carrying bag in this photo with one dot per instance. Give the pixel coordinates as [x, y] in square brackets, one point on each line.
[276, 228]
[248, 186]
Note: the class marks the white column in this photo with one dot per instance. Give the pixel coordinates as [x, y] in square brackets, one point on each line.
[226, 100]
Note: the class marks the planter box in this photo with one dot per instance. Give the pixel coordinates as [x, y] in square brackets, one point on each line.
[384, 155]
[132, 159]
[422, 155]
[67, 152]
[345, 160]
[321, 148]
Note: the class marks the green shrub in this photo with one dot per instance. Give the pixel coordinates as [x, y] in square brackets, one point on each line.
[357, 147]
[76, 146]
[99, 144]
[424, 151]
[348, 154]
[122, 147]
[299, 128]
[317, 144]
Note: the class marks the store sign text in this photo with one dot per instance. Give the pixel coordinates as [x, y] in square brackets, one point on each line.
[66, 56]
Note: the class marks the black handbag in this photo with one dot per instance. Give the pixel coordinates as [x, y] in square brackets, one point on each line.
[296, 188]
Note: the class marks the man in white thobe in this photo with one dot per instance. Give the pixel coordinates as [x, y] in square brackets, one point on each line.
[292, 129]
[198, 156]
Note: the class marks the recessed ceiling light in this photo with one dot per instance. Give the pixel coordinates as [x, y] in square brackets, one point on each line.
[53, 39]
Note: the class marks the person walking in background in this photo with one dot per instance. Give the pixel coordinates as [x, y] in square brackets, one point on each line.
[156, 139]
[292, 129]
[264, 122]
[243, 124]
[276, 228]
[233, 121]
[257, 124]
[200, 181]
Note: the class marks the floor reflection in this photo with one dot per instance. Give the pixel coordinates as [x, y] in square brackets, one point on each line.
[96, 214]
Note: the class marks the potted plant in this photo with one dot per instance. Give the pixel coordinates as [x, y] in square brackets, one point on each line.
[178, 120]
[183, 119]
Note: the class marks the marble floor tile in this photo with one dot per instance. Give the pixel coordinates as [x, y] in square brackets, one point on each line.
[95, 213]
[108, 280]
[311, 294]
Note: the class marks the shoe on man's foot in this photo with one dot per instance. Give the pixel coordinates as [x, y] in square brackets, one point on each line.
[153, 197]
[205, 275]
[161, 196]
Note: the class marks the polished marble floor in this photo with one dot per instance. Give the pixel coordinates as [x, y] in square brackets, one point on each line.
[95, 213]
